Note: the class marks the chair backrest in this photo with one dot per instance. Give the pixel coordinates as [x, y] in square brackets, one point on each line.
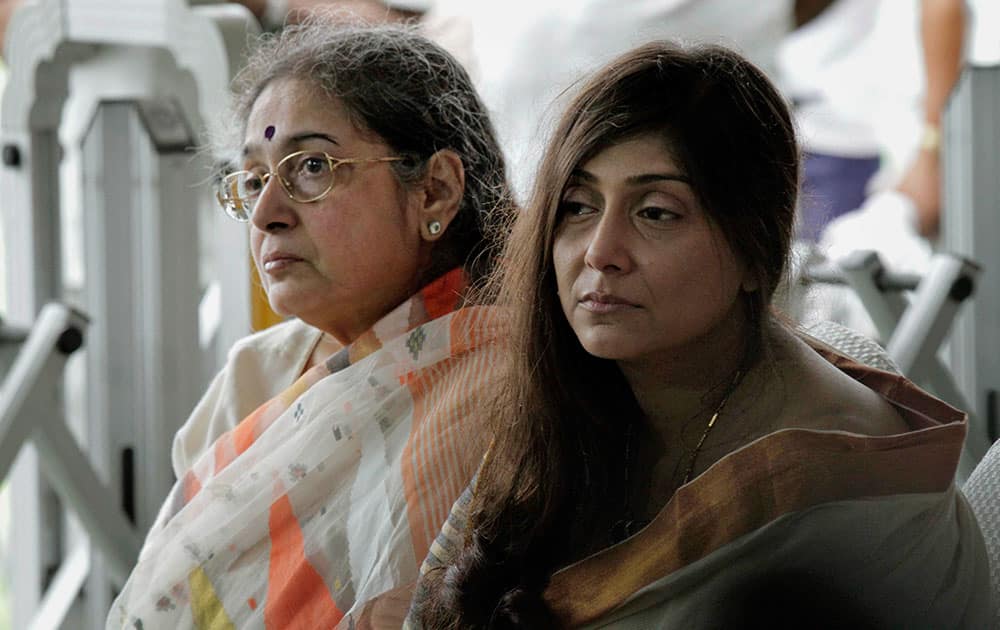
[982, 490]
[852, 344]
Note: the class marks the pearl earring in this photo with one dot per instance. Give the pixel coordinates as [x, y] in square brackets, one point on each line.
[434, 227]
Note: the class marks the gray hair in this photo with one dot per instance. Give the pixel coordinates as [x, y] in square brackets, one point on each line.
[415, 97]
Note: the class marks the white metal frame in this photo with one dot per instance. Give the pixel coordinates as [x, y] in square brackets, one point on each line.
[31, 410]
[971, 227]
[92, 84]
[913, 316]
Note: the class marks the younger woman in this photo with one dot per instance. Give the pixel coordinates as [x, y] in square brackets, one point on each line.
[667, 453]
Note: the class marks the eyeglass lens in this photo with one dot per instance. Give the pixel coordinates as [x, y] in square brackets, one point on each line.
[304, 176]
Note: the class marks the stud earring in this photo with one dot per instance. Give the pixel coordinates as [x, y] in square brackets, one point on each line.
[434, 227]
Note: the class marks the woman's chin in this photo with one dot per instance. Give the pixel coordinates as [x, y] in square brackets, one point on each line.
[286, 303]
[611, 347]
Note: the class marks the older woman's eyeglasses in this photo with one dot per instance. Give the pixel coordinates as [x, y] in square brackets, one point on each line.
[305, 176]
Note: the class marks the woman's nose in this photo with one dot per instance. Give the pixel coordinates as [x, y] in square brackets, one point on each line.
[273, 210]
[608, 248]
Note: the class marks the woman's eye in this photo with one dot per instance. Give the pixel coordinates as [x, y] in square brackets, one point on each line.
[251, 181]
[313, 165]
[658, 214]
[575, 209]
[253, 184]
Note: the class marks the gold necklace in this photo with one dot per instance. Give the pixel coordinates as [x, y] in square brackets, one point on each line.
[711, 423]
[626, 526]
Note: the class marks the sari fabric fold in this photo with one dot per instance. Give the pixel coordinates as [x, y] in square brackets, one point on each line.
[798, 528]
[323, 500]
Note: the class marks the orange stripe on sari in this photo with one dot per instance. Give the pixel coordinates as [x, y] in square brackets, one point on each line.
[225, 453]
[441, 454]
[468, 327]
[414, 476]
[446, 297]
[297, 597]
[246, 432]
[191, 485]
[419, 425]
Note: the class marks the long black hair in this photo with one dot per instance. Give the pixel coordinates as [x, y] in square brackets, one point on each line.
[542, 496]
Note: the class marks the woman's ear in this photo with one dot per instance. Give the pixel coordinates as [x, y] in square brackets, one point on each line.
[443, 187]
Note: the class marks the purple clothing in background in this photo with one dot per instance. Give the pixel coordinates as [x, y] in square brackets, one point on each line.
[831, 186]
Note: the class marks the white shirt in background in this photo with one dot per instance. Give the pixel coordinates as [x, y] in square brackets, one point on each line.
[524, 54]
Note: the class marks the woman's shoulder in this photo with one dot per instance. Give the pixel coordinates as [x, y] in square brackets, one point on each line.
[262, 365]
[259, 367]
[822, 396]
[292, 338]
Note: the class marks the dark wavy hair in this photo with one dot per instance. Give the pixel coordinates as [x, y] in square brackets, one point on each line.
[543, 496]
[414, 96]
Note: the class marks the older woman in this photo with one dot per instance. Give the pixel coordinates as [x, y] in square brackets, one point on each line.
[668, 453]
[325, 456]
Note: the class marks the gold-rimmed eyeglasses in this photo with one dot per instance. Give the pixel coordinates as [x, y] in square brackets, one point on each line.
[305, 176]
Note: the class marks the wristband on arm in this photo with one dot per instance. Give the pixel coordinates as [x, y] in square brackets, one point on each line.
[930, 137]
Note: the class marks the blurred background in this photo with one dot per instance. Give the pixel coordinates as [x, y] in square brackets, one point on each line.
[105, 193]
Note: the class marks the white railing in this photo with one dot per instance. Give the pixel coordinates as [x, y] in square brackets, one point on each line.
[31, 411]
[105, 105]
[913, 315]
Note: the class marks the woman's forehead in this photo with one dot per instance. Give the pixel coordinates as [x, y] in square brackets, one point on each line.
[631, 156]
[290, 112]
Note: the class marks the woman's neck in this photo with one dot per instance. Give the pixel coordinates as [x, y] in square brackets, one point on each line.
[672, 387]
[325, 346]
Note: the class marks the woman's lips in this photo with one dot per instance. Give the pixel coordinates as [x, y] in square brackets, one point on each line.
[274, 263]
[606, 303]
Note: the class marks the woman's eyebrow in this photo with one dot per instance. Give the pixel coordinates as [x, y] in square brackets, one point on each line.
[649, 178]
[292, 141]
[635, 180]
[312, 135]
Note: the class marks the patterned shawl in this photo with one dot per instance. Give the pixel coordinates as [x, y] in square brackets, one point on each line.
[328, 496]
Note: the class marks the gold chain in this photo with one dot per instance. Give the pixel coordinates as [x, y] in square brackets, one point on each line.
[711, 423]
[623, 528]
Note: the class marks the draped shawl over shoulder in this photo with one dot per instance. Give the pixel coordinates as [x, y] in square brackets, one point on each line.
[795, 523]
[327, 496]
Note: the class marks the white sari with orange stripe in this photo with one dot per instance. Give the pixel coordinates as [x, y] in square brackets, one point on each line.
[320, 504]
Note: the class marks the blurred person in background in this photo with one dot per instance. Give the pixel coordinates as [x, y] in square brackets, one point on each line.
[841, 150]
[872, 80]
[524, 54]
[943, 29]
